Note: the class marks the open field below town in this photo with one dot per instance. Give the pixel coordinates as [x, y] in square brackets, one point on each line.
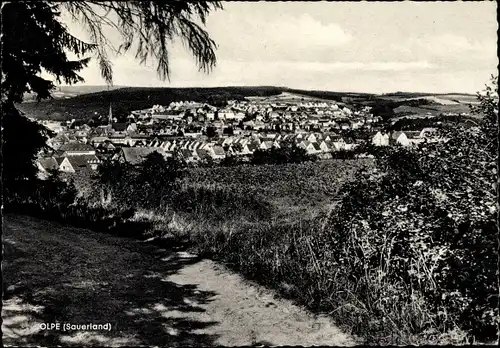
[299, 190]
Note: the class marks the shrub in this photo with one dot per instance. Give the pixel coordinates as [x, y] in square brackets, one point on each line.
[424, 221]
[149, 185]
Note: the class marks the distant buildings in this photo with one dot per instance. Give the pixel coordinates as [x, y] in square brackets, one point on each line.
[199, 132]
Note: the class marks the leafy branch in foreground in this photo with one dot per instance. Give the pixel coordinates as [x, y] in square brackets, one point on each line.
[35, 40]
[152, 26]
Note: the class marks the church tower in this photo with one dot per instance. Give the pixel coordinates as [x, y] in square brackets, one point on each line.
[110, 117]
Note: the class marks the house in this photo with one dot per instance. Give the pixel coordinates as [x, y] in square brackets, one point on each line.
[118, 139]
[316, 149]
[266, 145]
[427, 132]
[328, 137]
[255, 139]
[239, 116]
[414, 137]
[58, 140]
[259, 125]
[79, 164]
[102, 130]
[216, 152]
[311, 138]
[134, 139]
[135, 155]
[228, 141]
[76, 149]
[344, 125]
[45, 165]
[380, 139]
[192, 134]
[163, 144]
[108, 147]
[400, 138]
[196, 145]
[324, 146]
[54, 126]
[99, 140]
[338, 143]
[225, 114]
[155, 143]
[311, 148]
[119, 127]
[65, 165]
[355, 124]
[131, 128]
[249, 148]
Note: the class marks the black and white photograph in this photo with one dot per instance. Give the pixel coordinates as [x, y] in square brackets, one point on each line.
[238, 173]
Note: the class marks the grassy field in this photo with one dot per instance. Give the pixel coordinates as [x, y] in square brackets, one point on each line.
[295, 190]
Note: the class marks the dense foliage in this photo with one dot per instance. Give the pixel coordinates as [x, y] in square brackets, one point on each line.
[425, 221]
[149, 185]
[18, 152]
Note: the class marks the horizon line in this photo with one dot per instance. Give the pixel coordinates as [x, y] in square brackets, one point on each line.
[261, 86]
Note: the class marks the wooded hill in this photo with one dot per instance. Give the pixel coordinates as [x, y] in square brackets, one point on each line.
[124, 100]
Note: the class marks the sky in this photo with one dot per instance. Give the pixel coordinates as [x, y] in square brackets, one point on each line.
[434, 47]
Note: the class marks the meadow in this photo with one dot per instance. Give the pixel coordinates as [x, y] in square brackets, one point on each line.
[295, 190]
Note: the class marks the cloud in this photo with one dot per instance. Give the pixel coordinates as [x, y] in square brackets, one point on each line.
[450, 43]
[250, 38]
[448, 46]
[332, 47]
[362, 66]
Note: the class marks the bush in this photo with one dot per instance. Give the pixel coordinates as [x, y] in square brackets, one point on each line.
[149, 185]
[425, 222]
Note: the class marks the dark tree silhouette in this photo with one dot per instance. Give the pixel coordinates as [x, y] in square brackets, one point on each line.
[34, 39]
[211, 132]
[228, 131]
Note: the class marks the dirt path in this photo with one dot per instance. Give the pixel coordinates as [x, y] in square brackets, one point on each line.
[150, 296]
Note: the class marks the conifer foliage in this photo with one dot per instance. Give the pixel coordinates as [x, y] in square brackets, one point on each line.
[35, 39]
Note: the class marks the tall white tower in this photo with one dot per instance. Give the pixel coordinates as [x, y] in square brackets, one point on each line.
[110, 117]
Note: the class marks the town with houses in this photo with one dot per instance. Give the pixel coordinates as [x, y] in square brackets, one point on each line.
[199, 132]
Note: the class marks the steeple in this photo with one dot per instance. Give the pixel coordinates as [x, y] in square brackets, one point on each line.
[110, 117]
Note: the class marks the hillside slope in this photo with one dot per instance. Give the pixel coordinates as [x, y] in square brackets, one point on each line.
[124, 100]
[127, 99]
